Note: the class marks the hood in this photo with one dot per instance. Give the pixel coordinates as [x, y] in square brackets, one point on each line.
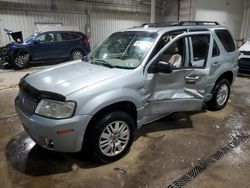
[16, 36]
[245, 47]
[69, 77]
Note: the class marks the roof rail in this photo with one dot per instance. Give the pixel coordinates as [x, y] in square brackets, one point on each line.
[181, 23]
[190, 23]
[160, 24]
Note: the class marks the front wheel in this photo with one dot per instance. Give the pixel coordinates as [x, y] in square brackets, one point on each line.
[220, 95]
[110, 137]
[21, 61]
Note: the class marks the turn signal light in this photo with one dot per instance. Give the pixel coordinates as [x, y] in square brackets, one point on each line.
[63, 132]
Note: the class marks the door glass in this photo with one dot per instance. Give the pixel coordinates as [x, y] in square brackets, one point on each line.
[58, 37]
[67, 36]
[175, 54]
[200, 45]
[47, 37]
[216, 50]
[165, 39]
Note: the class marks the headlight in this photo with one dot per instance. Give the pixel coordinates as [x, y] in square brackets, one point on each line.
[4, 50]
[55, 109]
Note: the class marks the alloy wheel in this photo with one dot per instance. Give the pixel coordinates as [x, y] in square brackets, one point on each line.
[114, 138]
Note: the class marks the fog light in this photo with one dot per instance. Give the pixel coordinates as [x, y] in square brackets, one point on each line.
[49, 142]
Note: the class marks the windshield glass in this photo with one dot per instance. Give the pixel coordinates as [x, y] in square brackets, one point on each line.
[124, 49]
[28, 39]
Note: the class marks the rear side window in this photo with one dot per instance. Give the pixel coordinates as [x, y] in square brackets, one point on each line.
[69, 36]
[226, 39]
[216, 50]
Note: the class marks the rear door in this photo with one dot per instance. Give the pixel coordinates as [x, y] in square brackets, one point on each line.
[184, 88]
[69, 42]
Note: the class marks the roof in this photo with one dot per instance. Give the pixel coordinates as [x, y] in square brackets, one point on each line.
[171, 26]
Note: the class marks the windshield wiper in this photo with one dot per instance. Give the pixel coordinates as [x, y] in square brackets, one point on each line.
[101, 62]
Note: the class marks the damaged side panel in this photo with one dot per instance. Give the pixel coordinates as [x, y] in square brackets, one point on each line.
[171, 93]
[184, 89]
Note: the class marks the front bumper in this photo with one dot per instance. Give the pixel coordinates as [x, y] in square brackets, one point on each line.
[244, 63]
[44, 131]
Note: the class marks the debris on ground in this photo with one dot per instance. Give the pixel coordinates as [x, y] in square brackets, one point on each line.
[120, 170]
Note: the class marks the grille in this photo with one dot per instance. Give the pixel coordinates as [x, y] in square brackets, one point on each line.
[27, 103]
[244, 64]
[246, 53]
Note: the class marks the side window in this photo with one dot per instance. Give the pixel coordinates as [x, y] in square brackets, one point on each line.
[69, 36]
[165, 39]
[58, 37]
[200, 45]
[175, 54]
[75, 36]
[216, 50]
[47, 37]
[65, 36]
[226, 39]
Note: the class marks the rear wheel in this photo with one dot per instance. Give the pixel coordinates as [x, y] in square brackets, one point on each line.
[76, 54]
[21, 61]
[110, 137]
[220, 95]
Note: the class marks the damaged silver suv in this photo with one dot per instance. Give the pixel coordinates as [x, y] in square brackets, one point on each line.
[133, 77]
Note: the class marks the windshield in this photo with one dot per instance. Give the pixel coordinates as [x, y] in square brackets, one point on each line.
[124, 49]
[28, 39]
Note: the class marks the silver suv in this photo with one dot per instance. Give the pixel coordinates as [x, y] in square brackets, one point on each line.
[133, 77]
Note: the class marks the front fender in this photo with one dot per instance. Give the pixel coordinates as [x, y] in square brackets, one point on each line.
[103, 100]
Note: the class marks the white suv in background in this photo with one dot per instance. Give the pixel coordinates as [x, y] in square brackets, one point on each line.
[244, 58]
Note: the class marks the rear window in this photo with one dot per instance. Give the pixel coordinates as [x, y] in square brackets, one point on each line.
[226, 39]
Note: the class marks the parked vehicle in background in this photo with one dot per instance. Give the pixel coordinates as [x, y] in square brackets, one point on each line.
[244, 58]
[134, 77]
[45, 46]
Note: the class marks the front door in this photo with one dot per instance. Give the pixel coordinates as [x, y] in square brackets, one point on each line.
[44, 47]
[184, 88]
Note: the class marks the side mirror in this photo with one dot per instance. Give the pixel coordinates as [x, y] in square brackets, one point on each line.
[164, 67]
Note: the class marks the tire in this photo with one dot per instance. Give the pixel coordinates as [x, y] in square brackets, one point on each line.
[99, 143]
[220, 95]
[21, 61]
[76, 54]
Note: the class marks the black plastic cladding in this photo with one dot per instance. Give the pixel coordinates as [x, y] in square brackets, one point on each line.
[38, 94]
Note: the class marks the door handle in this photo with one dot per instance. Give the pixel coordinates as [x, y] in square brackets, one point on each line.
[192, 77]
[216, 64]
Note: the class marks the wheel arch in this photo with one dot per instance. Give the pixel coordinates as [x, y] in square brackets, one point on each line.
[125, 106]
[80, 49]
[21, 51]
[226, 75]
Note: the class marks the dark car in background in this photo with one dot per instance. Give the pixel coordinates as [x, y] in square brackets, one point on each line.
[44, 46]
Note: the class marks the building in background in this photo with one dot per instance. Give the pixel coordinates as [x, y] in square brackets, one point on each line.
[100, 18]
